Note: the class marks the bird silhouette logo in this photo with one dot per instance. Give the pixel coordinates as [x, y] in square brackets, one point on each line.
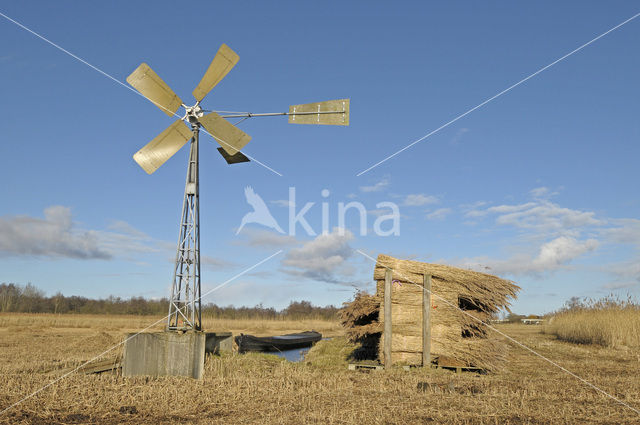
[260, 213]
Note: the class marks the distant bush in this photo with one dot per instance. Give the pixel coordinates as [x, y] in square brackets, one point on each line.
[515, 318]
[609, 322]
[29, 299]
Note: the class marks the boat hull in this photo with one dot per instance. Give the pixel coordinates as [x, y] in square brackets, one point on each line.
[277, 343]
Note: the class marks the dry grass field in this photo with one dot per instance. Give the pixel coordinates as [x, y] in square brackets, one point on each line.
[243, 389]
[608, 322]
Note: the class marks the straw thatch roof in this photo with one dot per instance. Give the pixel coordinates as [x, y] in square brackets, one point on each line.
[493, 291]
[463, 302]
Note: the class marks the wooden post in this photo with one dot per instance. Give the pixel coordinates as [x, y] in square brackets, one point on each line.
[426, 321]
[387, 317]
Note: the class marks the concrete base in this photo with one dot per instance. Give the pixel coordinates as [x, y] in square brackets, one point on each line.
[164, 354]
[218, 342]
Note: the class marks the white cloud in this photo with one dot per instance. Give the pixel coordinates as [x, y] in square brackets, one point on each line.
[626, 274]
[543, 216]
[561, 251]
[266, 239]
[458, 136]
[550, 237]
[542, 192]
[473, 210]
[475, 213]
[323, 258]
[503, 209]
[124, 227]
[540, 215]
[551, 256]
[419, 199]
[377, 187]
[626, 230]
[58, 236]
[53, 236]
[621, 284]
[539, 192]
[216, 263]
[439, 214]
[123, 240]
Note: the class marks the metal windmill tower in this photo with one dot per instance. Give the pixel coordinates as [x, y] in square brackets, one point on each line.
[184, 304]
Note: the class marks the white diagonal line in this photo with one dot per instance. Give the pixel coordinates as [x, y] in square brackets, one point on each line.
[506, 336]
[62, 49]
[137, 333]
[499, 94]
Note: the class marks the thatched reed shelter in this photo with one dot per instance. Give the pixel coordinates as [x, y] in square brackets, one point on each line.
[462, 303]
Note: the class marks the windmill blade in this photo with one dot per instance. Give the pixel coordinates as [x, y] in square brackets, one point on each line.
[230, 137]
[330, 112]
[146, 81]
[220, 66]
[164, 146]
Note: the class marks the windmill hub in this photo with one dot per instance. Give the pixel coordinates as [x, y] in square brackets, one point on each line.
[193, 113]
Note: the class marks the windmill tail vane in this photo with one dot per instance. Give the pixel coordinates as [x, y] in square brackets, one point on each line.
[184, 304]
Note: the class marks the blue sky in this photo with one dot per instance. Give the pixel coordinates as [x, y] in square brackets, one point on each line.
[539, 185]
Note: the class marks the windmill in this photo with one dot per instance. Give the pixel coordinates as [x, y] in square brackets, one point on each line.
[184, 303]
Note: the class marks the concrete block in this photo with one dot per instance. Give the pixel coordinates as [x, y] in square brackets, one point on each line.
[218, 342]
[164, 354]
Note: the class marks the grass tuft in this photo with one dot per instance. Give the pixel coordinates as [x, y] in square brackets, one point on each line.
[331, 353]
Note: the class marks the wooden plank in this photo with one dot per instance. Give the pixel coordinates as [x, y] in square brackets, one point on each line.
[387, 318]
[359, 366]
[426, 320]
[459, 369]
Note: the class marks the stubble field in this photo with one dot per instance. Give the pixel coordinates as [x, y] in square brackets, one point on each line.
[37, 349]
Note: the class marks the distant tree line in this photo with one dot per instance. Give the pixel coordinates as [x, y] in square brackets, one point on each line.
[517, 318]
[29, 299]
[607, 302]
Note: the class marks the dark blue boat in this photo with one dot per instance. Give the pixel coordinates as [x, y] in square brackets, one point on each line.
[278, 342]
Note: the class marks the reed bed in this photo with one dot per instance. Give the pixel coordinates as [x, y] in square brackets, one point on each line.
[609, 322]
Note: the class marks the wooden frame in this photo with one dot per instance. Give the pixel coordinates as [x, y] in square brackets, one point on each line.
[426, 321]
[388, 285]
